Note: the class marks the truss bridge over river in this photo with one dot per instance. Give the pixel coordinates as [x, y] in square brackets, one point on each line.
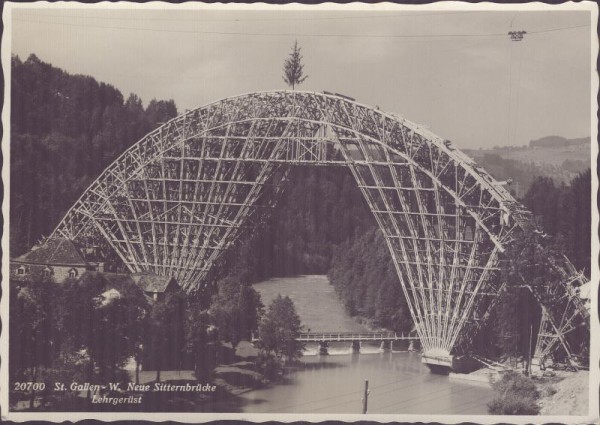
[178, 199]
[353, 336]
[386, 339]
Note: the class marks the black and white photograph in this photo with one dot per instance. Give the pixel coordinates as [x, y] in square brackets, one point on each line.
[300, 212]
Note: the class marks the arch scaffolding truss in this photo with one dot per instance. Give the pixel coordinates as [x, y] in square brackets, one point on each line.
[175, 201]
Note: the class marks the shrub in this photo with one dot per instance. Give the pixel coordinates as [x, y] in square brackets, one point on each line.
[269, 365]
[513, 405]
[515, 394]
[514, 382]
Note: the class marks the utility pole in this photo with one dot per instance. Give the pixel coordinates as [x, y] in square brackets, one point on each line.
[530, 340]
[365, 399]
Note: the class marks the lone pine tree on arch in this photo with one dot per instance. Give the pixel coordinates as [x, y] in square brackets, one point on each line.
[293, 68]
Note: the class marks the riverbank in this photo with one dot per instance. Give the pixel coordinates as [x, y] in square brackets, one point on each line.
[240, 376]
[484, 376]
[567, 393]
[235, 375]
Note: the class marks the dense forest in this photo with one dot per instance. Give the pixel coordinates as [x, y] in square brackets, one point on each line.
[565, 212]
[65, 129]
[320, 208]
[364, 276]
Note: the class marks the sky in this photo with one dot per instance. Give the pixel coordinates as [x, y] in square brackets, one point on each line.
[457, 72]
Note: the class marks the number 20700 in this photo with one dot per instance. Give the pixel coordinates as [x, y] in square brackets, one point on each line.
[28, 386]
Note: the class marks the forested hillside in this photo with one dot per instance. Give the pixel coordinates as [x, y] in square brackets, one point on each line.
[364, 276]
[553, 156]
[522, 174]
[320, 208]
[558, 141]
[65, 129]
[565, 212]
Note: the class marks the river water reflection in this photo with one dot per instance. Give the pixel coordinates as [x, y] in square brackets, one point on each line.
[398, 382]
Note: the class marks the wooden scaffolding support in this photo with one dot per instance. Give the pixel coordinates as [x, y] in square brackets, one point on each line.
[175, 201]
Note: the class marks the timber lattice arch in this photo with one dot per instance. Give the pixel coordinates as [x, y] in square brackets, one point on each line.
[175, 201]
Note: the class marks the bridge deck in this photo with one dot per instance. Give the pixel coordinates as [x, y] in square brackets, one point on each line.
[351, 336]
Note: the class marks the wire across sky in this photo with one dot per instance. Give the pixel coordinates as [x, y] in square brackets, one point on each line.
[275, 34]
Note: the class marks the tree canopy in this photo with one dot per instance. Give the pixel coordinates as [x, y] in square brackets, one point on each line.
[279, 329]
[164, 333]
[65, 129]
[235, 309]
[368, 284]
[34, 312]
[565, 212]
[104, 321]
[562, 213]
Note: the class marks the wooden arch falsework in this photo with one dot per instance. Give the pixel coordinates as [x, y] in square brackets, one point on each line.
[175, 201]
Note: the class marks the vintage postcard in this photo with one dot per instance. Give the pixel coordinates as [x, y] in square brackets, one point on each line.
[280, 212]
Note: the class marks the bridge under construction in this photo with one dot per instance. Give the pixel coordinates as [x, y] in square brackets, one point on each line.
[178, 199]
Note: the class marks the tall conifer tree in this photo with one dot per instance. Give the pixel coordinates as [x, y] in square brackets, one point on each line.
[293, 68]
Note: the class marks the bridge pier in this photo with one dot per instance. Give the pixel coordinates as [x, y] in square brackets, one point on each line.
[413, 345]
[323, 345]
[387, 345]
[355, 346]
[402, 345]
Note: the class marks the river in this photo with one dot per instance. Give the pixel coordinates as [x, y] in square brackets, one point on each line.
[398, 381]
